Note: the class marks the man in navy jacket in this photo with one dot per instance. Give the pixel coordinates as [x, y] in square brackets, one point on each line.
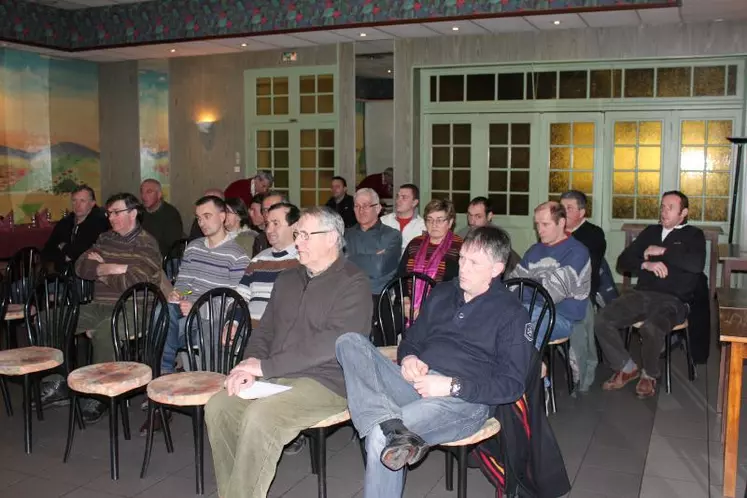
[468, 351]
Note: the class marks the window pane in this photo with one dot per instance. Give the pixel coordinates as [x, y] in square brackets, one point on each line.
[280, 138]
[573, 84]
[440, 179]
[709, 81]
[264, 106]
[560, 158]
[325, 178]
[462, 134]
[718, 131]
[649, 133]
[263, 139]
[583, 182]
[451, 88]
[542, 85]
[691, 183]
[560, 133]
[264, 159]
[583, 159]
[518, 205]
[281, 159]
[649, 158]
[624, 158]
[434, 88]
[308, 158]
[326, 138]
[693, 132]
[623, 183]
[716, 210]
[441, 134]
[622, 207]
[461, 202]
[325, 104]
[718, 158]
[648, 183]
[692, 159]
[601, 84]
[625, 133]
[498, 157]
[280, 106]
[639, 83]
[498, 181]
[647, 208]
[326, 159]
[325, 83]
[280, 86]
[559, 181]
[264, 86]
[520, 133]
[441, 157]
[498, 201]
[731, 81]
[480, 87]
[462, 157]
[308, 198]
[519, 181]
[308, 179]
[617, 78]
[460, 180]
[673, 82]
[520, 157]
[511, 86]
[717, 184]
[307, 85]
[583, 133]
[695, 211]
[308, 138]
[308, 104]
[498, 134]
[281, 178]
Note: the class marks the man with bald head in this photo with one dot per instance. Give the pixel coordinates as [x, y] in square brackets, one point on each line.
[160, 219]
[195, 232]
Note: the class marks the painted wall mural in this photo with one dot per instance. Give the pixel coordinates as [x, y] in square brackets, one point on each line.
[49, 132]
[171, 20]
[154, 127]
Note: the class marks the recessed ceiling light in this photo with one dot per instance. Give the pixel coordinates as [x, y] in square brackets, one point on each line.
[455, 28]
[718, 20]
[556, 23]
[363, 35]
[243, 44]
[173, 50]
[389, 71]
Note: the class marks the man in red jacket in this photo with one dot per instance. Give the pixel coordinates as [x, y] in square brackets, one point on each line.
[245, 189]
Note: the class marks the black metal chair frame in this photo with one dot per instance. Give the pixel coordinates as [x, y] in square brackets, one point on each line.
[173, 259]
[392, 296]
[218, 354]
[21, 275]
[144, 345]
[3, 383]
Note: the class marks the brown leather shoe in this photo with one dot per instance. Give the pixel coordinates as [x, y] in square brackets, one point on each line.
[646, 387]
[620, 379]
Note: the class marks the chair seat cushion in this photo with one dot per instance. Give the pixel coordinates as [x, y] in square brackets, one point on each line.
[14, 312]
[337, 418]
[110, 379]
[681, 326]
[186, 388]
[23, 361]
[489, 429]
[559, 341]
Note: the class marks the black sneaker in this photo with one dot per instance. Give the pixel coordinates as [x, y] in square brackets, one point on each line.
[53, 393]
[92, 410]
[296, 446]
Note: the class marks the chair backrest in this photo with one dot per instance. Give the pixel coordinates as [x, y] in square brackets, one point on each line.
[22, 273]
[51, 314]
[210, 345]
[139, 323]
[173, 259]
[3, 298]
[392, 314]
[538, 302]
[83, 287]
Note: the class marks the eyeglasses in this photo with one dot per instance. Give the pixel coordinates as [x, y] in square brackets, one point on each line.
[116, 212]
[366, 207]
[436, 221]
[306, 235]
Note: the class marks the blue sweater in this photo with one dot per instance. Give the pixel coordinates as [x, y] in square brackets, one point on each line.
[486, 342]
[564, 270]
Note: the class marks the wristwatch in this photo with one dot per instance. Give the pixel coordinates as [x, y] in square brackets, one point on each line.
[456, 387]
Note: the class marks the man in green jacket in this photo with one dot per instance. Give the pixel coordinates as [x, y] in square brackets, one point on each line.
[311, 306]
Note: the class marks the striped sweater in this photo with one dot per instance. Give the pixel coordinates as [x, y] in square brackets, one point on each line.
[257, 283]
[205, 268]
[138, 250]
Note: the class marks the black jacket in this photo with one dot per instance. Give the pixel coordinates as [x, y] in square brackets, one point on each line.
[75, 240]
[684, 257]
[593, 238]
[344, 208]
[488, 351]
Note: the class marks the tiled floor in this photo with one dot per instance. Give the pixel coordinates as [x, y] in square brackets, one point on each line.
[613, 445]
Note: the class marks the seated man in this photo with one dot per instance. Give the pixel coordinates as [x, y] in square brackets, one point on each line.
[213, 261]
[563, 267]
[341, 202]
[194, 231]
[373, 246]
[480, 214]
[405, 217]
[469, 350]
[160, 219]
[311, 306]
[120, 258]
[667, 259]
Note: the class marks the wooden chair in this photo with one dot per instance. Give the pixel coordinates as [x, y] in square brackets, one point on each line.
[212, 354]
[51, 313]
[139, 323]
[391, 316]
[317, 435]
[173, 259]
[684, 329]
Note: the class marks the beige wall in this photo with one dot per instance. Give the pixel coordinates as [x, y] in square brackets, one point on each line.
[119, 128]
[215, 85]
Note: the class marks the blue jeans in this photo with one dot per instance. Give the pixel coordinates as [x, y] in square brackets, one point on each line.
[563, 326]
[377, 392]
[175, 339]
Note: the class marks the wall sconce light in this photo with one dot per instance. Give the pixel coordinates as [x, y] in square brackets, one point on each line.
[205, 126]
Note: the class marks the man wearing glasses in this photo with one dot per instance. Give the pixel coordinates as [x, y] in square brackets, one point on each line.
[374, 247]
[120, 258]
[294, 345]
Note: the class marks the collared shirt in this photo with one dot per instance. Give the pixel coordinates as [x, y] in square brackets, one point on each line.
[376, 251]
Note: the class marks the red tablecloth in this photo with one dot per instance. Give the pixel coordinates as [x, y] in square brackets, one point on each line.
[22, 236]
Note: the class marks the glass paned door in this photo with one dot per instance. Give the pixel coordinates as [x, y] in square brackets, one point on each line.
[317, 165]
[273, 153]
[451, 163]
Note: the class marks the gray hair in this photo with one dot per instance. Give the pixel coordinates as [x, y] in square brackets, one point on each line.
[329, 220]
[369, 192]
[493, 240]
[276, 193]
[265, 175]
[577, 196]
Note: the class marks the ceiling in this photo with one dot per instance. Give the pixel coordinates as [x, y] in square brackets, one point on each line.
[374, 46]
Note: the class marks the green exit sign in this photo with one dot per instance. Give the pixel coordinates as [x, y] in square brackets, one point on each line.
[289, 57]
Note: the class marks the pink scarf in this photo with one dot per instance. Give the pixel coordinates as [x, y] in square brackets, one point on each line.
[429, 267]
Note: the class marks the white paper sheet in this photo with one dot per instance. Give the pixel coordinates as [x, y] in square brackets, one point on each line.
[262, 390]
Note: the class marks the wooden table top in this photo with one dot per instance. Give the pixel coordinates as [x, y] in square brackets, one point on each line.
[732, 305]
[731, 251]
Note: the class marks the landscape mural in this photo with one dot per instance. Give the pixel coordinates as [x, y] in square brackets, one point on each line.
[49, 132]
[153, 86]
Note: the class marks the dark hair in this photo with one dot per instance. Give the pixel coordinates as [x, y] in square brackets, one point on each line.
[219, 203]
[257, 199]
[684, 201]
[130, 202]
[291, 216]
[485, 203]
[493, 240]
[577, 196]
[341, 179]
[237, 206]
[557, 211]
[414, 188]
[84, 188]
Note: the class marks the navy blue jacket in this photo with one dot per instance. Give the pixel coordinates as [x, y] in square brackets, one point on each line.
[486, 343]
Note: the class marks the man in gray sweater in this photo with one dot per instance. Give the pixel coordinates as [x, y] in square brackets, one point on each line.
[310, 307]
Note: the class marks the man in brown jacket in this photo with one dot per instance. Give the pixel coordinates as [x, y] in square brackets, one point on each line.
[311, 306]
